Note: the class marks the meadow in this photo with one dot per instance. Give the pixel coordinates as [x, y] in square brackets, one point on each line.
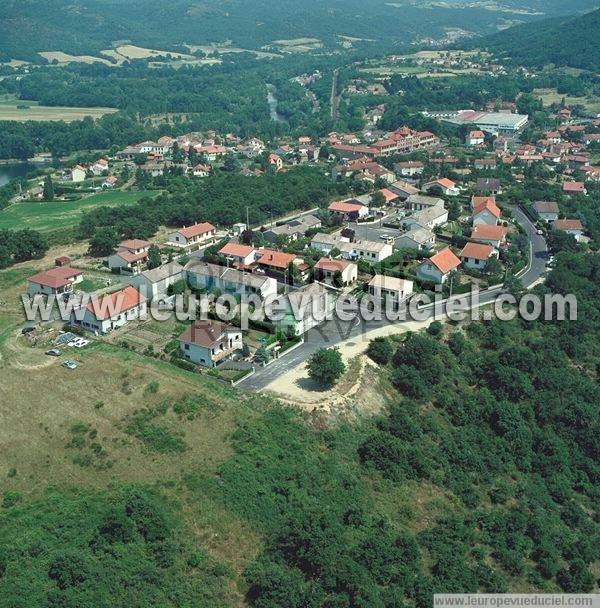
[23, 110]
[61, 214]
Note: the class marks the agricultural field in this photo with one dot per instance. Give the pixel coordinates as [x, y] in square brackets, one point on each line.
[60, 58]
[297, 45]
[61, 214]
[549, 96]
[22, 110]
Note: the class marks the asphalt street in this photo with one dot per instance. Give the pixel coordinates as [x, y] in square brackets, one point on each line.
[335, 331]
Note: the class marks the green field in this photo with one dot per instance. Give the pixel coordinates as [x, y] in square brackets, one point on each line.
[59, 214]
[21, 110]
[591, 103]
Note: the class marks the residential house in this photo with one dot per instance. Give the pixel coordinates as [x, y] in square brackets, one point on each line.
[485, 164]
[110, 311]
[326, 271]
[293, 229]
[193, 236]
[476, 255]
[201, 170]
[438, 267]
[99, 167]
[404, 190]
[302, 310]
[210, 277]
[491, 235]
[390, 291]
[327, 242]
[350, 211]
[77, 174]
[546, 211]
[574, 188]
[488, 185]
[418, 202]
[445, 185]
[278, 263]
[130, 257]
[55, 281]
[570, 226]
[238, 254]
[210, 343]
[371, 251]
[409, 168]
[276, 162]
[486, 213]
[156, 282]
[110, 182]
[418, 238]
[427, 218]
[475, 138]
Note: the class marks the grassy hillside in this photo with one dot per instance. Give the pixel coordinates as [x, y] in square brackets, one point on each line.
[89, 26]
[564, 42]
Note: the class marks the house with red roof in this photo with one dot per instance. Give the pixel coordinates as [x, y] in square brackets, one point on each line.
[486, 212]
[130, 257]
[438, 267]
[209, 343]
[476, 255]
[327, 269]
[349, 210]
[447, 187]
[276, 162]
[55, 281]
[240, 255]
[110, 311]
[491, 235]
[574, 188]
[193, 236]
[570, 226]
[475, 138]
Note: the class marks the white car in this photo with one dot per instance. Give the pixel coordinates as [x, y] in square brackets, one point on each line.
[540, 232]
[69, 364]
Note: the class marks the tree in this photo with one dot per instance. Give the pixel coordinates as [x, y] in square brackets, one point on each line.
[377, 199]
[380, 350]
[48, 189]
[326, 366]
[103, 242]
[154, 257]
[261, 356]
[230, 163]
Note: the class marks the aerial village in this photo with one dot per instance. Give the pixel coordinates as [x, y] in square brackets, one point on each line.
[413, 228]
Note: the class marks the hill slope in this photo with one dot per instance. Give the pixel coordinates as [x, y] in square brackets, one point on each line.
[562, 41]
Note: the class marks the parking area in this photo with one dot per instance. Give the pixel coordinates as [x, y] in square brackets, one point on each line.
[374, 231]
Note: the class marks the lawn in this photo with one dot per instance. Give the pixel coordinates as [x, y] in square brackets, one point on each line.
[31, 110]
[549, 96]
[59, 214]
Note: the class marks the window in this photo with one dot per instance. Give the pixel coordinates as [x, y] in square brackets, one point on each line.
[186, 346]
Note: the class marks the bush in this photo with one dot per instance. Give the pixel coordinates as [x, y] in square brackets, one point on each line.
[380, 350]
[326, 367]
[435, 329]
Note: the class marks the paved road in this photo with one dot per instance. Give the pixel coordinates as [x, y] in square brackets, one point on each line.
[335, 331]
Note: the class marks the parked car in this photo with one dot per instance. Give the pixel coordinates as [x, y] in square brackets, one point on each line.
[53, 352]
[69, 364]
[27, 330]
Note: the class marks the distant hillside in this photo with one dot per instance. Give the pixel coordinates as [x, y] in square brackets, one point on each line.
[562, 41]
[89, 26]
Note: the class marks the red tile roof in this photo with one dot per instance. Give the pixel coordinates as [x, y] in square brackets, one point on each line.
[345, 207]
[483, 231]
[237, 250]
[196, 230]
[568, 225]
[489, 205]
[115, 303]
[276, 259]
[205, 333]
[477, 251]
[573, 187]
[133, 244]
[55, 277]
[332, 265]
[445, 260]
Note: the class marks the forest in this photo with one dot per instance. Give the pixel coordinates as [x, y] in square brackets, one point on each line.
[497, 423]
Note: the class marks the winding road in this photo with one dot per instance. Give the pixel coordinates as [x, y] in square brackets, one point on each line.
[335, 331]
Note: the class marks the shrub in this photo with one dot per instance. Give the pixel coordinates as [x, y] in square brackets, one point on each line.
[380, 350]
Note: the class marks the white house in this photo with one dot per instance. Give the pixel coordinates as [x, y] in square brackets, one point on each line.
[78, 174]
[349, 210]
[418, 202]
[326, 270]
[409, 168]
[301, 310]
[426, 218]
[390, 291]
[54, 281]
[475, 138]
[547, 211]
[476, 255]
[156, 282]
[438, 267]
[130, 256]
[486, 213]
[195, 235]
[241, 255]
[327, 242]
[416, 238]
[447, 186]
[570, 226]
[209, 343]
[371, 251]
[490, 235]
[110, 311]
[210, 277]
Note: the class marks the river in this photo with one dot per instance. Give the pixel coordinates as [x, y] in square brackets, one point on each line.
[272, 101]
[11, 170]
